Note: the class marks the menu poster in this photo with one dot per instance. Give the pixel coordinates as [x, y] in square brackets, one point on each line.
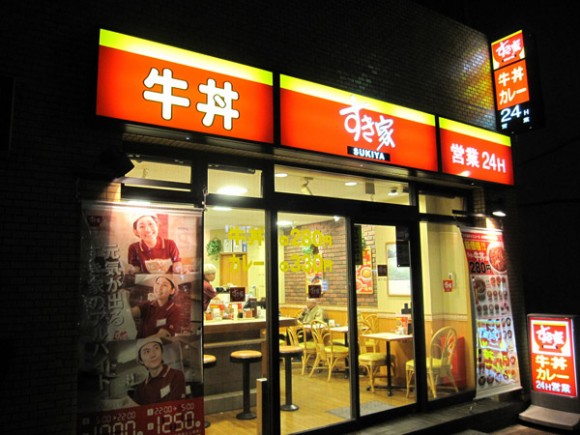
[497, 360]
[140, 368]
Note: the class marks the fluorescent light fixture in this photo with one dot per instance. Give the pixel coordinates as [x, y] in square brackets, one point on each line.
[350, 183]
[284, 223]
[281, 174]
[232, 190]
[221, 208]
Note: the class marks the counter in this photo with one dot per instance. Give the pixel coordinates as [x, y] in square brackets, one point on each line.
[223, 383]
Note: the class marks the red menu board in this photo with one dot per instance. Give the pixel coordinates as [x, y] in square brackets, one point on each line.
[151, 83]
[319, 118]
[552, 355]
[473, 152]
[497, 359]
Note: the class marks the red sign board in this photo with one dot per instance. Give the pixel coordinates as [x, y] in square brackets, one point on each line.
[553, 356]
[476, 153]
[511, 85]
[151, 83]
[508, 50]
[318, 118]
[517, 99]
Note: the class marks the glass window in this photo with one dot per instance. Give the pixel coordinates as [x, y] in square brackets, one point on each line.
[434, 203]
[235, 318]
[313, 288]
[318, 183]
[385, 327]
[169, 175]
[234, 180]
[448, 319]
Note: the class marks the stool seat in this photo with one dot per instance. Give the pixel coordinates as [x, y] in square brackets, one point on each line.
[246, 357]
[289, 349]
[209, 360]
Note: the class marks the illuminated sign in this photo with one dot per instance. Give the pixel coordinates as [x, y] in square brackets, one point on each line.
[517, 106]
[151, 83]
[553, 359]
[327, 120]
[476, 153]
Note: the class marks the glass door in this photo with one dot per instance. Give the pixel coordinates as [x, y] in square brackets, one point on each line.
[313, 299]
[382, 272]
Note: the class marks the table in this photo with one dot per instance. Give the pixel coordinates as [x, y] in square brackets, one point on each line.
[388, 337]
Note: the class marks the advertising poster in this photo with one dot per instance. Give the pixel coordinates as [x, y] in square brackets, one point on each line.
[140, 347]
[497, 369]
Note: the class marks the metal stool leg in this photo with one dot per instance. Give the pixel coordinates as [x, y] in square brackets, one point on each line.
[246, 414]
[289, 406]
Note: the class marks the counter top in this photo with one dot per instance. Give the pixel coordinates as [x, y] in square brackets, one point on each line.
[220, 326]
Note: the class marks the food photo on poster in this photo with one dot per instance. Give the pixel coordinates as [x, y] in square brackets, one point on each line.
[140, 345]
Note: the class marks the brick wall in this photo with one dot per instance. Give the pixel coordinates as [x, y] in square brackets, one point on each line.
[392, 50]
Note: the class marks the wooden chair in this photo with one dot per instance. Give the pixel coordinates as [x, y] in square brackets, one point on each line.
[439, 360]
[298, 337]
[370, 323]
[370, 360]
[328, 354]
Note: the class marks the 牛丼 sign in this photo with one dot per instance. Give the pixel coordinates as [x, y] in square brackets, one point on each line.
[151, 83]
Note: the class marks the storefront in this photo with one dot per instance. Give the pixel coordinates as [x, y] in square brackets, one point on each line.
[301, 194]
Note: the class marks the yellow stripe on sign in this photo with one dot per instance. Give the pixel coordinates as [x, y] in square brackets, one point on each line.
[476, 132]
[168, 53]
[348, 98]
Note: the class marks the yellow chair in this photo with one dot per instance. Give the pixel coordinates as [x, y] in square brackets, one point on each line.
[327, 353]
[439, 360]
[370, 324]
[370, 360]
[298, 337]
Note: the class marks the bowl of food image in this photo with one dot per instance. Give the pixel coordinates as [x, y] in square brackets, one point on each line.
[479, 288]
[497, 257]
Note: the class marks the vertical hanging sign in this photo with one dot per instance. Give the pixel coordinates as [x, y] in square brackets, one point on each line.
[140, 347]
[497, 359]
[517, 99]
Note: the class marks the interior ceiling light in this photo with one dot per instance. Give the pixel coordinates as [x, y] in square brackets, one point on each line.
[281, 174]
[394, 191]
[232, 190]
[284, 223]
[498, 213]
[304, 188]
[350, 183]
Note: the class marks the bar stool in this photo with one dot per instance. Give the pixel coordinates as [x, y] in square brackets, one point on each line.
[246, 357]
[208, 362]
[289, 352]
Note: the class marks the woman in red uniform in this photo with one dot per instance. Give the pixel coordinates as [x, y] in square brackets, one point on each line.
[161, 316]
[152, 247]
